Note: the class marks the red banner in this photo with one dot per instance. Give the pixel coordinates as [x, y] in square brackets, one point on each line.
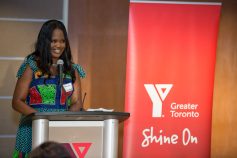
[170, 75]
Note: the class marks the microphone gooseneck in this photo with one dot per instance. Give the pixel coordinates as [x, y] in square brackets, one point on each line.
[60, 71]
[83, 100]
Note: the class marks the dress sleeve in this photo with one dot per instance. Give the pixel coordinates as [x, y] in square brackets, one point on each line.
[28, 61]
[79, 69]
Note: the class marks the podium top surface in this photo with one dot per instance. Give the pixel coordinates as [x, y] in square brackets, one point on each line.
[79, 116]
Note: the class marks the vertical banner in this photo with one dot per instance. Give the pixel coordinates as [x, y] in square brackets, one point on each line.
[170, 75]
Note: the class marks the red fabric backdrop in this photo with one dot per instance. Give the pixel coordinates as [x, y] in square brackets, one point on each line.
[170, 75]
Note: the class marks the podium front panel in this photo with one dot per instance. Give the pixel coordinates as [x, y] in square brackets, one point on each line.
[85, 134]
[84, 138]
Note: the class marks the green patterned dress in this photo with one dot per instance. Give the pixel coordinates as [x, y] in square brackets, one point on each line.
[45, 95]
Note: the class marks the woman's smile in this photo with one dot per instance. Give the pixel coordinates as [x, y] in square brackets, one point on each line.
[57, 44]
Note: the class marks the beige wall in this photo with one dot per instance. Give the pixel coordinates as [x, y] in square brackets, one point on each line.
[20, 22]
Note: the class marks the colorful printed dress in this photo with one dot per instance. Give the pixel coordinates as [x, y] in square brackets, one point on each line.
[45, 95]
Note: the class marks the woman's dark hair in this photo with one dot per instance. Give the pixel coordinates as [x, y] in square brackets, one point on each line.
[50, 149]
[42, 51]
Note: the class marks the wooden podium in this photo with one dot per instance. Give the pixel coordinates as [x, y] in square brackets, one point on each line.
[96, 132]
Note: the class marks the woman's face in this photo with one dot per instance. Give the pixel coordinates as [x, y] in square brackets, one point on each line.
[57, 44]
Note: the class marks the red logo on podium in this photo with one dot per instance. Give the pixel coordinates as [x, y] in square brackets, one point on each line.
[81, 148]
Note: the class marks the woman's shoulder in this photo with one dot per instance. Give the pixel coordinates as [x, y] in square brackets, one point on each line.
[79, 69]
[28, 61]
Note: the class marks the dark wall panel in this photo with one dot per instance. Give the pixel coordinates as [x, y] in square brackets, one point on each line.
[98, 31]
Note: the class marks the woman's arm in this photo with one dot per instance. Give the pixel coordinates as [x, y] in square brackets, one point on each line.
[76, 100]
[21, 92]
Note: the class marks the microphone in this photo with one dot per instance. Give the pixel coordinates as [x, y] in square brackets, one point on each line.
[84, 97]
[60, 70]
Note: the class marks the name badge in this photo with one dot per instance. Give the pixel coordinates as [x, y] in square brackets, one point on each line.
[68, 87]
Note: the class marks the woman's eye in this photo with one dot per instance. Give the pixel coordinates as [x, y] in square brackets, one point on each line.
[54, 41]
[60, 41]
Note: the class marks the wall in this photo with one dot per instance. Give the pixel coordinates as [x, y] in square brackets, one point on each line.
[20, 22]
[224, 120]
[100, 31]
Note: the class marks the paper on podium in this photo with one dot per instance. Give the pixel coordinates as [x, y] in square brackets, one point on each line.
[100, 109]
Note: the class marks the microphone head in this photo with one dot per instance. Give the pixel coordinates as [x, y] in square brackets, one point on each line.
[60, 62]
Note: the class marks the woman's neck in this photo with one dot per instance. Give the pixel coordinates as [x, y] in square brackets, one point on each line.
[54, 60]
[53, 70]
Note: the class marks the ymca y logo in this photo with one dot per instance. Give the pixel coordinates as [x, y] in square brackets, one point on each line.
[157, 93]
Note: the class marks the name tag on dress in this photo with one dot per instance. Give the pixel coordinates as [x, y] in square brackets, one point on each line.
[68, 87]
